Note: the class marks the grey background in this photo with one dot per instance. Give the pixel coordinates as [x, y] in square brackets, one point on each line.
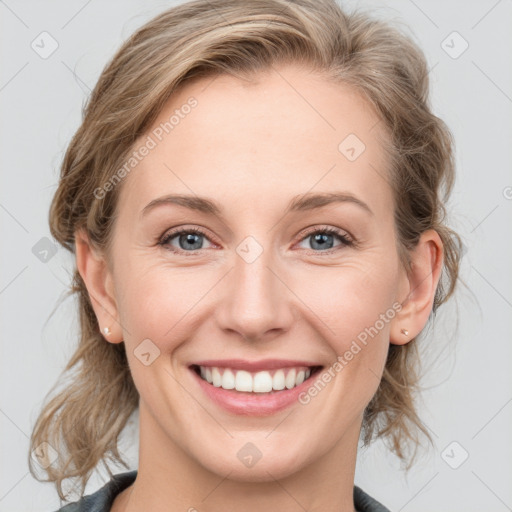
[468, 392]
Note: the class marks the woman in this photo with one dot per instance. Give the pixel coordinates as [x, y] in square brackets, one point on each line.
[255, 203]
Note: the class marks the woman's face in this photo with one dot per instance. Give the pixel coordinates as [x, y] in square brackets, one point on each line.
[260, 278]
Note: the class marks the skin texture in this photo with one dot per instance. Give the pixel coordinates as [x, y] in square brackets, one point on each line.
[251, 146]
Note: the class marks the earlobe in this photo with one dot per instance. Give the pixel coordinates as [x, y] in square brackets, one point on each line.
[94, 271]
[422, 280]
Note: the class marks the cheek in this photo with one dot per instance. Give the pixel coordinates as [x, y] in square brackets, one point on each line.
[353, 310]
[158, 302]
[354, 320]
[157, 312]
[349, 300]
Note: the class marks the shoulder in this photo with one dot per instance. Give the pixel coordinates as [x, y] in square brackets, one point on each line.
[365, 503]
[102, 499]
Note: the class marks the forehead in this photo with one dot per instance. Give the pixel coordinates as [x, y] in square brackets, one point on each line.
[287, 132]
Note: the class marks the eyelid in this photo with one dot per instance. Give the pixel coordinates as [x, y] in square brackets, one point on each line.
[327, 228]
[345, 238]
[173, 232]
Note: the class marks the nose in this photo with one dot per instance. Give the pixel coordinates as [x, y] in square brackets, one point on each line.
[256, 302]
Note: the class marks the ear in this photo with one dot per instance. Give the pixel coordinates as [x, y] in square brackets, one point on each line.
[100, 285]
[420, 285]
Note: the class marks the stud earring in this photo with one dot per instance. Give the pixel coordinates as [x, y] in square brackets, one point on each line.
[107, 331]
[405, 332]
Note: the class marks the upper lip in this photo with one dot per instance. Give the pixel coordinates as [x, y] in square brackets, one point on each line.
[254, 366]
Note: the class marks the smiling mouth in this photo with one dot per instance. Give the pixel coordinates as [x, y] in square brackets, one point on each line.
[260, 382]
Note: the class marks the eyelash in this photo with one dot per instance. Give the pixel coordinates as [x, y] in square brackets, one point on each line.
[345, 240]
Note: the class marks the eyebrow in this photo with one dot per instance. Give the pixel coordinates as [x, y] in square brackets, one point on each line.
[305, 202]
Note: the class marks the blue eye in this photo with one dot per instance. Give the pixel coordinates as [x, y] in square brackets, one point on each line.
[188, 240]
[322, 239]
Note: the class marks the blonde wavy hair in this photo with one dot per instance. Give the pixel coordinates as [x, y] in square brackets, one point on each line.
[200, 38]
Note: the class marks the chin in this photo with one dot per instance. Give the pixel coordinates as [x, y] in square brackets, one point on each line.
[266, 465]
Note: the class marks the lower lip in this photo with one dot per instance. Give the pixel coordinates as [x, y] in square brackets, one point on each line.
[252, 404]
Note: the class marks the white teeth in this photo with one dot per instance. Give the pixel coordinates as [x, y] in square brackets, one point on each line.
[228, 379]
[262, 382]
[243, 381]
[290, 379]
[258, 382]
[217, 377]
[278, 380]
